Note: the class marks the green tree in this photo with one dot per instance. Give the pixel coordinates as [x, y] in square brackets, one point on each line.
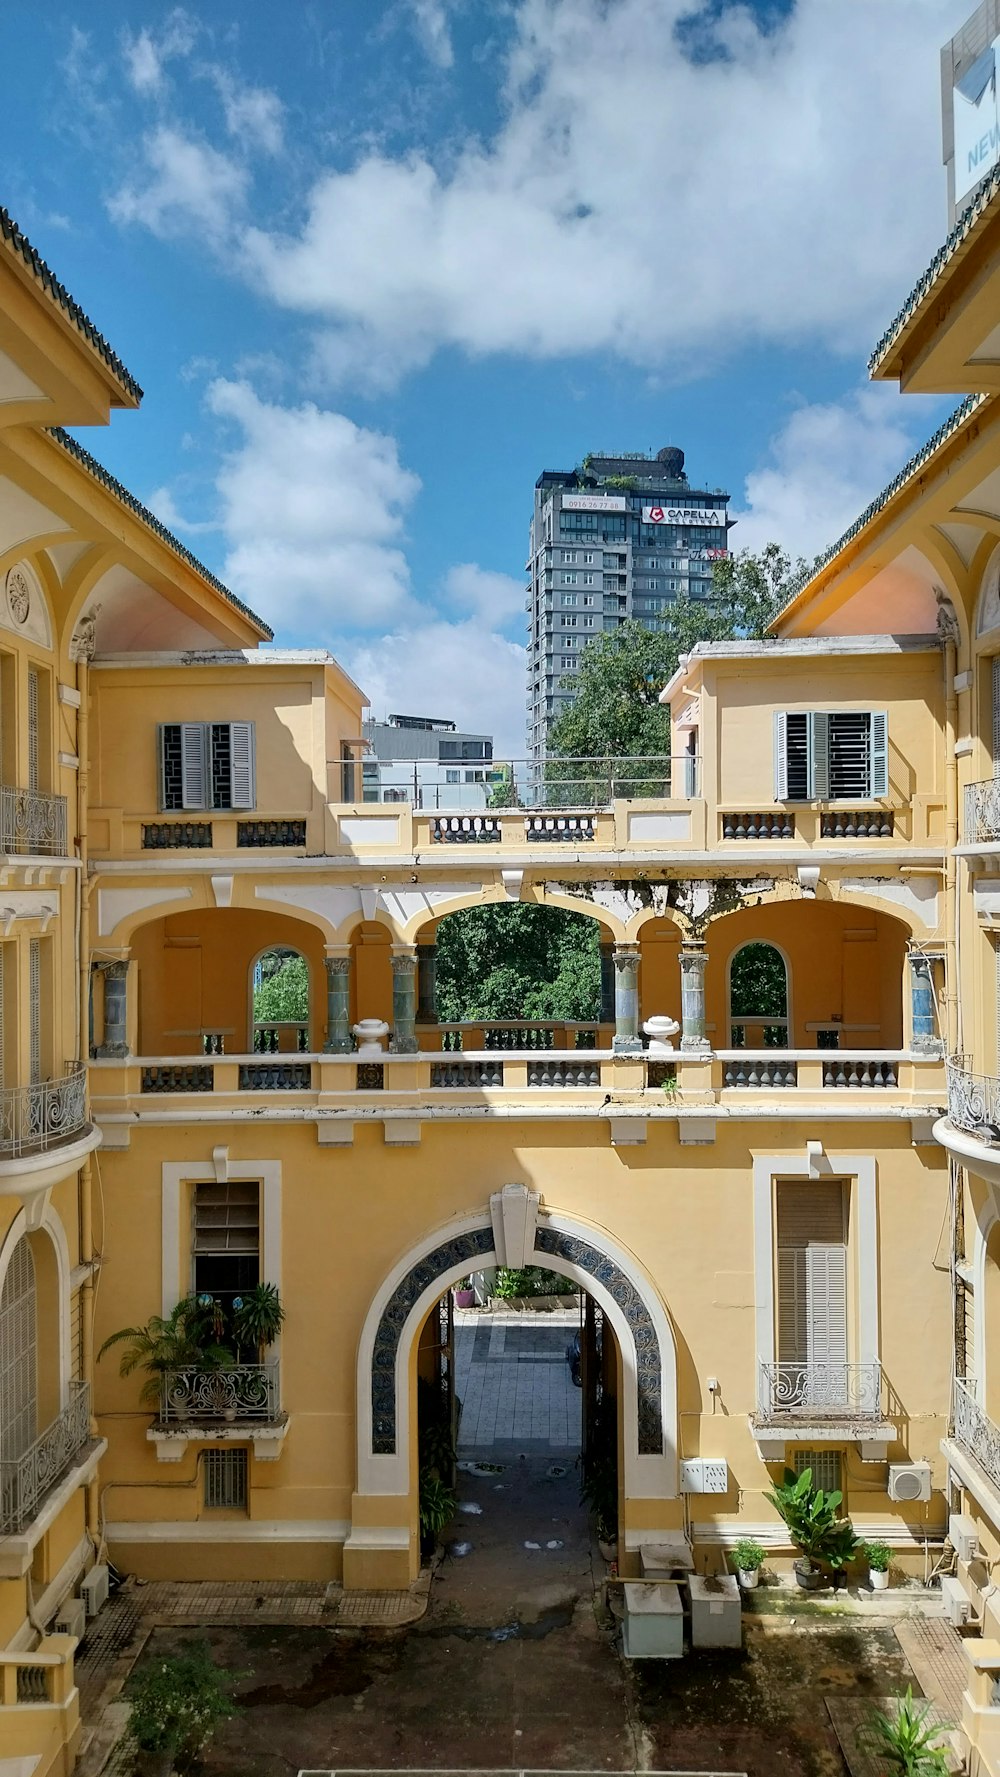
[284, 993]
[517, 961]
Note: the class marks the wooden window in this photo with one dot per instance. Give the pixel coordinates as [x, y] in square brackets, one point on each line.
[35, 1010]
[226, 1242]
[812, 1278]
[33, 702]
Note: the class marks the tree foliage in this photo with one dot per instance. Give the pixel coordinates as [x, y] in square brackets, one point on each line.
[283, 993]
[517, 961]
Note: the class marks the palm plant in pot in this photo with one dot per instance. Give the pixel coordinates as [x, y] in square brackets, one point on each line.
[180, 1341]
[748, 1559]
[827, 1541]
[257, 1318]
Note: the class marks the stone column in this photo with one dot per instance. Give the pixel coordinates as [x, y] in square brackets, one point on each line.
[404, 1002]
[627, 1040]
[338, 1005]
[607, 983]
[694, 957]
[924, 1038]
[427, 984]
[115, 1009]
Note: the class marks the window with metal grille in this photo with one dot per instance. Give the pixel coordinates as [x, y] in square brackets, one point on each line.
[207, 765]
[32, 728]
[225, 1480]
[18, 1354]
[35, 1010]
[830, 755]
[826, 1466]
[226, 1244]
[812, 1281]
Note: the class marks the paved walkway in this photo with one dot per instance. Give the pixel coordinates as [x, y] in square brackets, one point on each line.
[514, 1383]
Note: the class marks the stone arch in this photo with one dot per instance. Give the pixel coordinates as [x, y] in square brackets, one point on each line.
[556, 1242]
[732, 1017]
[50, 1251]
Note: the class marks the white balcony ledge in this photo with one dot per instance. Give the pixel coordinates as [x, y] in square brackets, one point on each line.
[171, 1441]
[17, 1550]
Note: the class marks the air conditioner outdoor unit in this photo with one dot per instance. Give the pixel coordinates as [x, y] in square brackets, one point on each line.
[94, 1587]
[963, 1536]
[957, 1604]
[909, 1480]
[72, 1618]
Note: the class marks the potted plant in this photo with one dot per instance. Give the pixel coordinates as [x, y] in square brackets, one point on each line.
[599, 1484]
[465, 1295]
[166, 1344]
[257, 1318]
[176, 1704]
[437, 1504]
[748, 1559]
[905, 1742]
[878, 1556]
[826, 1541]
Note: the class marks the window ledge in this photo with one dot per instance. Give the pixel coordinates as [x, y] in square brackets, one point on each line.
[872, 1435]
[172, 1440]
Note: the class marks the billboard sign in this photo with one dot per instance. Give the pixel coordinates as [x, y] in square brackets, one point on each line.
[977, 121]
[680, 515]
[594, 503]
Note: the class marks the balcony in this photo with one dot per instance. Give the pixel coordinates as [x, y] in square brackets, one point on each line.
[974, 1103]
[477, 784]
[974, 1431]
[32, 825]
[981, 825]
[244, 1394]
[26, 1480]
[47, 1114]
[793, 1394]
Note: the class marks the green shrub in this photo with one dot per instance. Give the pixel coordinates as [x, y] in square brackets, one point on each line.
[904, 1743]
[178, 1702]
[877, 1555]
[812, 1520]
[747, 1555]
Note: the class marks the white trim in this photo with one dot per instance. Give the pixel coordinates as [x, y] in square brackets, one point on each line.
[861, 1168]
[645, 1477]
[378, 1536]
[760, 856]
[230, 1530]
[52, 1226]
[174, 1174]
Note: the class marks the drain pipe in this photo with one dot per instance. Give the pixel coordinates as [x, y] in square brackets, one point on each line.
[82, 648]
[953, 1020]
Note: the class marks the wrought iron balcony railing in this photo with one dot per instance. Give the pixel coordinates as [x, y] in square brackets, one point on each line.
[974, 1102]
[43, 1115]
[788, 1391]
[975, 1430]
[25, 1479]
[982, 813]
[31, 824]
[246, 1393]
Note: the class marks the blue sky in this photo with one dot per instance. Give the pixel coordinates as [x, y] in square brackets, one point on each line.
[377, 263]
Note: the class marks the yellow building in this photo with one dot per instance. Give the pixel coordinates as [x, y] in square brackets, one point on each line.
[762, 1215]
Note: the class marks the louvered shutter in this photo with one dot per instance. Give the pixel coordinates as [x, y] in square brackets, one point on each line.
[996, 715]
[879, 754]
[32, 729]
[241, 765]
[812, 1275]
[194, 764]
[35, 1010]
[819, 756]
[780, 756]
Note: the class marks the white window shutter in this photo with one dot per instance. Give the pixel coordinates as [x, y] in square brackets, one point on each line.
[819, 756]
[241, 765]
[780, 756]
[879, 754]
[32, 729]
[194, 765]
[161, 765]
[996, 715]
[812, 1274]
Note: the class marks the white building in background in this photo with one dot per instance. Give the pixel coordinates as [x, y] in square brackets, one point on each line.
[430, 763]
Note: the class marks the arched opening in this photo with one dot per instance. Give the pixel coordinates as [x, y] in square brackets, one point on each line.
[512, 975]
[758, 997]
[19, 1406]
[990, 1309]
[279, 1001]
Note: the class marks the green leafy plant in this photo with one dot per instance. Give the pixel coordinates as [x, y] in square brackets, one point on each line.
[599, 1482]
[747, 1555]
[813, 1521]
[258, 1317]
[906, 1742]
[435, 1442]
[877, 1555]
[185, 1339]
[436, 1506]
[178, 1702]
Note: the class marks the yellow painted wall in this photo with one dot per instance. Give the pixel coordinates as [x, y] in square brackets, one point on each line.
[194, 973]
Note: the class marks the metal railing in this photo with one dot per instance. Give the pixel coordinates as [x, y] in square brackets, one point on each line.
[521, 783]
[975, 1430]
[32, 824]
[982, 813]
[25, 1479]
[974, 1102]
[819, 1391]
[34, 1118]
[517, 1034]
[244, 1393]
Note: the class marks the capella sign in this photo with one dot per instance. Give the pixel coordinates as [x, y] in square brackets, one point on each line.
[680, 515]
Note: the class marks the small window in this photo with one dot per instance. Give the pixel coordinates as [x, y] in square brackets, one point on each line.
[826, 1466]
[225, 1480]
[830, 755]
[207, 765]
[226, 1239]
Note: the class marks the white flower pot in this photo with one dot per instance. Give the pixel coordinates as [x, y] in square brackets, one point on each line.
[879, 1581]
[371, 1033]
[659, 1029]
[748, 1577]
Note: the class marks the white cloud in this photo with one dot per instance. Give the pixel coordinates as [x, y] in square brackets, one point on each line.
[824, 466]
[483, 592]
[463, 672]
[183, 181]
[430, 21]
[146, 54]
[312, 509]
[254, 116]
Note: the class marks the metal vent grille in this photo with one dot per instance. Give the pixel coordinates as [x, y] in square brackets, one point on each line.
[224, 1478]
[826, 1467]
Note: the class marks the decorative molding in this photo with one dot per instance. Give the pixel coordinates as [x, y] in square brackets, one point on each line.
[222, 889]
[114, 904]
[514, 1215]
